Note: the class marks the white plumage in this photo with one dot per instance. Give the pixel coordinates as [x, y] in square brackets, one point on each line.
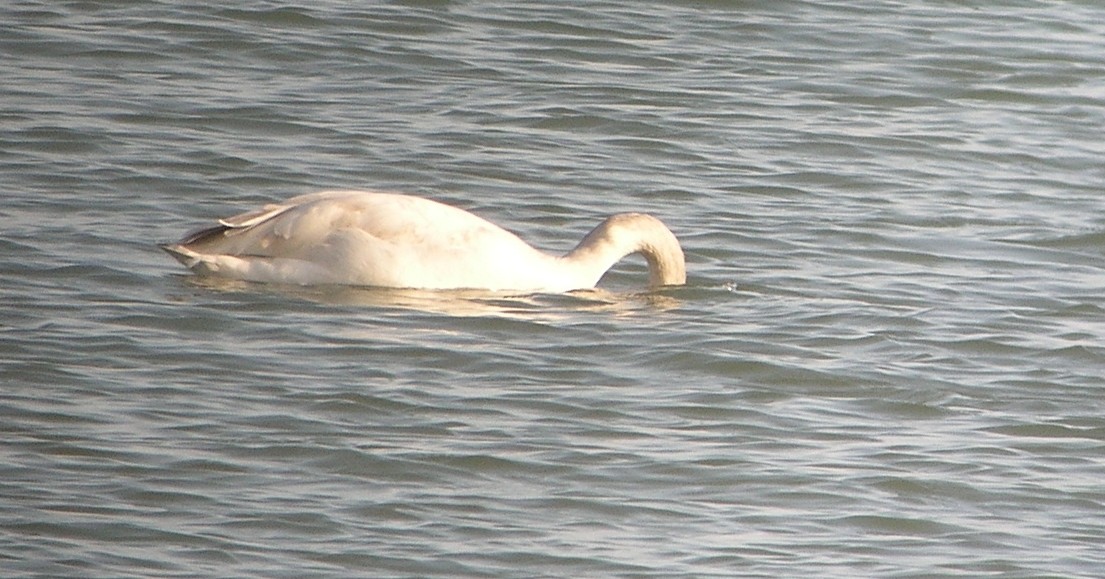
[392, 240]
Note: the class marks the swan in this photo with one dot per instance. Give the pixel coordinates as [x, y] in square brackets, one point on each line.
[370, 238]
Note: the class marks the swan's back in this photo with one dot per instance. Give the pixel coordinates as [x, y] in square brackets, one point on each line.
[299, 224]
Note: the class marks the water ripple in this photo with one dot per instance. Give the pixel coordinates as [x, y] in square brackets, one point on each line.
[886, 361]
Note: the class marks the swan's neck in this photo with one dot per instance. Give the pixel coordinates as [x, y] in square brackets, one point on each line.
[626, 233]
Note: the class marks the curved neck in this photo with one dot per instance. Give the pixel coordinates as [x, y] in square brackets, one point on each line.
[625, 233]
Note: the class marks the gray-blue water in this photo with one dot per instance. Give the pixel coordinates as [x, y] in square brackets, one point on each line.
[888, 360]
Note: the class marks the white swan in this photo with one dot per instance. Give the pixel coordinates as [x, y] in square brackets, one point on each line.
[391, 240]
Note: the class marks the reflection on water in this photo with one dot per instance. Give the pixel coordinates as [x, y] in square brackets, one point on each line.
[462, 303]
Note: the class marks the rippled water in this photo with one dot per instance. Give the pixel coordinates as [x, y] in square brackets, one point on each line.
[887, 361]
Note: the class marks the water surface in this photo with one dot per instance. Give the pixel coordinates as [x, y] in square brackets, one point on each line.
[887, 360]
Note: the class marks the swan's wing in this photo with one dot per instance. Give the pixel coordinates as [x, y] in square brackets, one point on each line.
[251, 218]
[230, 226]
[302, 225]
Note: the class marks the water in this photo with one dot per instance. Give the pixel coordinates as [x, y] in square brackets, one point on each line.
[887, 361]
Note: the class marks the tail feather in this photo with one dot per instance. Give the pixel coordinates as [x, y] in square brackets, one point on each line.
[183, 250]
[181, 253]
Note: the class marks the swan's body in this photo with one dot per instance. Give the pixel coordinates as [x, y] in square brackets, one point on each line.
[391, 240]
